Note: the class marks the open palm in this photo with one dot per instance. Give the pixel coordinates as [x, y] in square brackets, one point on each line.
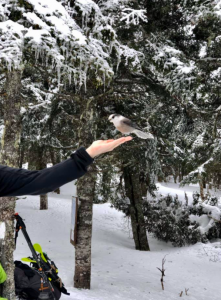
[102, 146]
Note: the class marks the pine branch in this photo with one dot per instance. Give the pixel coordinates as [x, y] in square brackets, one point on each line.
[61, 147]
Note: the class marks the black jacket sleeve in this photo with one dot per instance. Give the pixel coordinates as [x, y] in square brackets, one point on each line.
[18, 182]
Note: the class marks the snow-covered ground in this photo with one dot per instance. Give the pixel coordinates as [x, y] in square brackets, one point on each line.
[119, 272]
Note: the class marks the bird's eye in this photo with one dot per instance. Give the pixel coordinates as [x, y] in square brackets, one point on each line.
[113, 117]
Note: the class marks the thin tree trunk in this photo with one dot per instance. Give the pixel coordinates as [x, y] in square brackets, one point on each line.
[133, 192]
[7, 210]
[86, 190]
[10, 156]
[41, 164]
[55, 159]
[180, 175]
[21, 154]
[201, 187]
[43, 202]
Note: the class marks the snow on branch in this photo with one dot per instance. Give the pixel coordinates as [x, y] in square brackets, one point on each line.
[130, 55]
[172, 67]
[87, 6]
[194, 176]
[206, 221]
[111, 5]
[217, 7]
[51, 33]
[4, 10]
[133, 16]
[11, 43]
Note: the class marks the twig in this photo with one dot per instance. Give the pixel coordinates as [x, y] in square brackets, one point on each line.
[162, 271]
[186, 290]
[215, 220]
[205, 251]
[181, 293]
[61, 147]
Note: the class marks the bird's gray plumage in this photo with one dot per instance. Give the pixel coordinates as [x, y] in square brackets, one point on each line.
[130, 123]
[126, 126]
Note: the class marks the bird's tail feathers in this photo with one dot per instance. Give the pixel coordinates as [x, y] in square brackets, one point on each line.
[143, 135]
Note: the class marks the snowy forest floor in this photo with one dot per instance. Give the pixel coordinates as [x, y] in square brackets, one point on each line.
[119, 272]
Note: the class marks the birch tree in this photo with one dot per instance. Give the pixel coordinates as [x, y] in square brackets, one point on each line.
[10, 156]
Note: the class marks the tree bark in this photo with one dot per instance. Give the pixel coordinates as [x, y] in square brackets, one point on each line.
[7, 210]
[41, 164]
[43, 202]
[133, 192]
[10, 156]
[86, 190]
[55, 159]
[201, 187]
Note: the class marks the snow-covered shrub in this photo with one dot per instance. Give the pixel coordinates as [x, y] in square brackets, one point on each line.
[172, 221]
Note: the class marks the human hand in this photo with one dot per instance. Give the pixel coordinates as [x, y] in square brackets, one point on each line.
[102, 146]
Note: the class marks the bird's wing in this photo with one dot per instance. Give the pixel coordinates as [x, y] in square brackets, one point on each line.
[129, 123]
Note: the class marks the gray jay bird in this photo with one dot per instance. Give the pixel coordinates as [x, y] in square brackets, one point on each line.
[126, 126]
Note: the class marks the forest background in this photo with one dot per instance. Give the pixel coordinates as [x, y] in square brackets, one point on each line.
[65, 66]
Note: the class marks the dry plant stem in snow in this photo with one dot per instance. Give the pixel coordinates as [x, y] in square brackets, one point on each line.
[162, 272]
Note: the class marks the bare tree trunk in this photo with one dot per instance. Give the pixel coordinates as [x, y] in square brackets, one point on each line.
[43, 202]
[133, 192]
[55, 159]
[41, 164]
[10, 156]
[7, 210]
[201, 187]
[21, 153]
[86, 190]
[180, 174]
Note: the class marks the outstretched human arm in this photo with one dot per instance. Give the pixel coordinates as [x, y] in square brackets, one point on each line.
[18, 182]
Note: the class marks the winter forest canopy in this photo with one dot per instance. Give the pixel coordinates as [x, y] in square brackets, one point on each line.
[154, 61]
[66, 65]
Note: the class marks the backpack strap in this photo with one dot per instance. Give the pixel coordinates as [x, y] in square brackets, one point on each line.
[19, 225]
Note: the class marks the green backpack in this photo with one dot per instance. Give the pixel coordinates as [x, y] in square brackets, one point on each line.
[3, 277]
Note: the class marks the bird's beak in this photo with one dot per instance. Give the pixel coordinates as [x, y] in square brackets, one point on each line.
[109, 118]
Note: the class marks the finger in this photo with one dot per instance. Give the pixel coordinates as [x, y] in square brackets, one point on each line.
[128, 138]
[108, 141]
[124, 139]
[120, 141]
[113, 143]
